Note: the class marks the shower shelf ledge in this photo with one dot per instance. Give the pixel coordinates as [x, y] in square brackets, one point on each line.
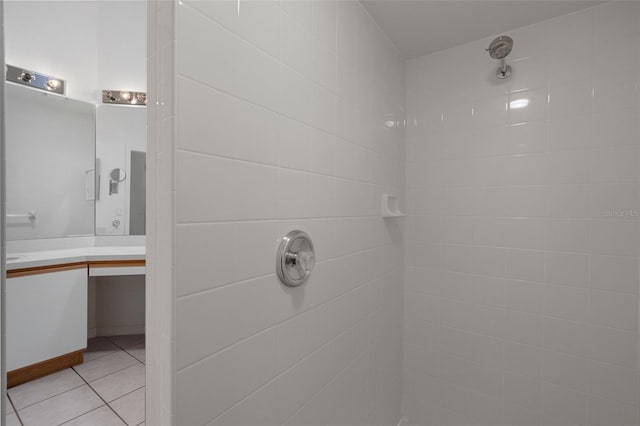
[390, 206]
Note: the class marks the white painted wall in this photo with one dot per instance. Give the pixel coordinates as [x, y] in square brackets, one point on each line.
[279, 118]
[122, 43]
[93, 45]
[116, 305]
[58, 38]
[521, 289]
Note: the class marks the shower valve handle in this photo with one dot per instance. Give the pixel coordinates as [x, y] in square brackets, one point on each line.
[304, 261]
[295, 258]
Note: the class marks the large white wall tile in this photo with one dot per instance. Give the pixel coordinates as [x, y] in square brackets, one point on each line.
[236, 372]
[613, 346]
[563, 406]
[566, 370]
[280, 127]
[203, 250]
[204, 193]
[295, 39]
[217, 126]
[523, 359]
[567, 269]
[521, 295]
[523, 391]
[615, 273]
[603, 412]
[249, 73]
[530, 187]
[258, 22]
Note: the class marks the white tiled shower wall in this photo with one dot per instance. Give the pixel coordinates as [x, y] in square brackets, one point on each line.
[281, 116]
[521, 298]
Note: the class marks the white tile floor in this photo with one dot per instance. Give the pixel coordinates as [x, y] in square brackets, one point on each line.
[107, 389]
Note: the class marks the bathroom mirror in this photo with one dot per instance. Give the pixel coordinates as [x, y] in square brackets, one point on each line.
[115, 177]
[90, 57]
[50, 170]
[118, 175]
[96, 173]
[137, 194]
[121, 134]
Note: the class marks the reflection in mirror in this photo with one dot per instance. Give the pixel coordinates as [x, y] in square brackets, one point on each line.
[121, 131]
[137, 205]
[50, 170]
[118, 175]
[115, 177]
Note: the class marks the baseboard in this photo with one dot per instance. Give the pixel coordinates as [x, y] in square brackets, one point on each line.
[92, 332]
[120, 330]
[43, 368]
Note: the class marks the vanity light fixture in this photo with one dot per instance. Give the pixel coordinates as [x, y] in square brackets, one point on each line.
[35, 80]
[124, 97]
[53, 84]
[27, 77]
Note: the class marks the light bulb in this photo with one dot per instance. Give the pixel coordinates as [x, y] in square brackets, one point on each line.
[53, 84]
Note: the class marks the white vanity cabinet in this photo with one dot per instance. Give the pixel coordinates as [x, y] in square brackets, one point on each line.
[46, 315]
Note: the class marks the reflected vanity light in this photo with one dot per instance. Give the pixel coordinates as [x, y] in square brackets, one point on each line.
[53, 84]
[124, 97]
[519, 103]
[35, 79]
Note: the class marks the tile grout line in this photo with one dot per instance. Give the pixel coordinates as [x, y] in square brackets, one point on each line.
[122, 347]
[101, 398]
[102, 356]
[14, 409]
[105, 354]
[126, 394]
[52, 396]
[126, 349]
[324, 303]
[141, 362]
[90, 411]
[122, 396]
[116, 371]
[106, 375]
[119, 349]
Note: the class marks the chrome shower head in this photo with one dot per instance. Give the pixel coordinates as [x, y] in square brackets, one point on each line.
[499, 48]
